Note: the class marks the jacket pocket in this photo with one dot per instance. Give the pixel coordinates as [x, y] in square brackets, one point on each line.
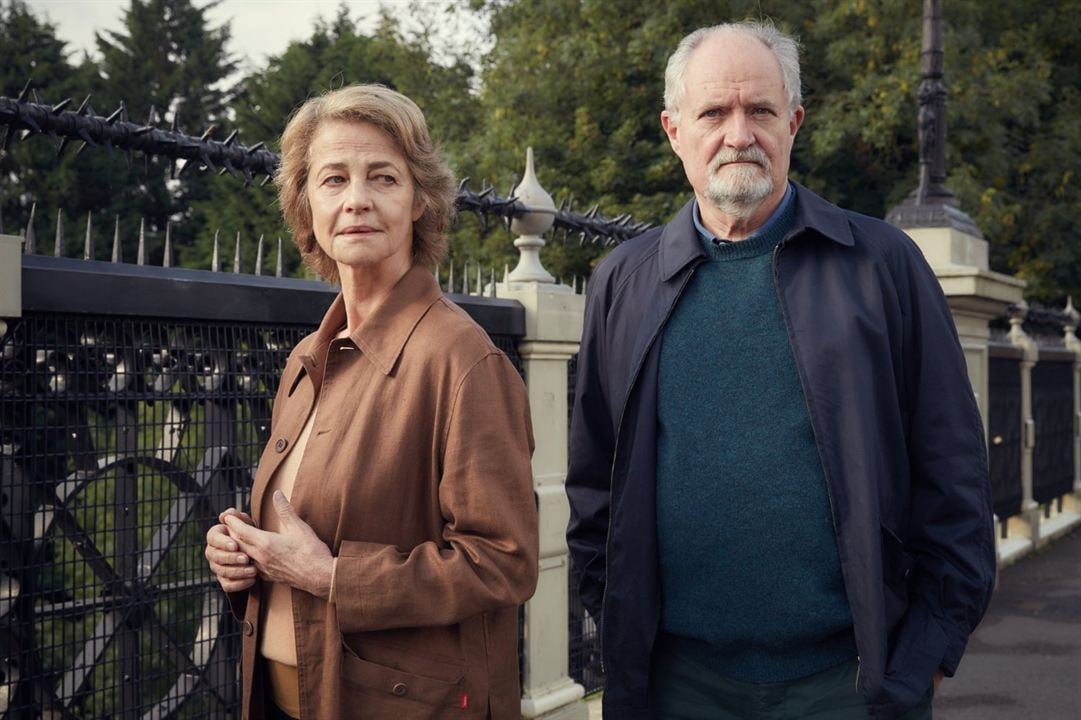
[405, 678]
[896, 565]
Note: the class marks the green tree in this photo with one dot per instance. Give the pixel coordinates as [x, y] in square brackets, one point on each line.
[29, 170]
[335, 54]
[581, 81]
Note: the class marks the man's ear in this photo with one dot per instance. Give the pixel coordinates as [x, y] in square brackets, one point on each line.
[671, 129]
[796, 120]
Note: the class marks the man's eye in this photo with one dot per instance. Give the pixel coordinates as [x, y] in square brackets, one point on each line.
[711, 113]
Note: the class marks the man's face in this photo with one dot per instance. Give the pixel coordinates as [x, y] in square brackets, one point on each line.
[734, 130]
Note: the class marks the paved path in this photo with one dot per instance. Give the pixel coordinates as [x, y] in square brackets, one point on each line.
[1024, 660]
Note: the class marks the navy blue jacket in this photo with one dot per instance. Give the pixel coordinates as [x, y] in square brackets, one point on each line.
[894, 418]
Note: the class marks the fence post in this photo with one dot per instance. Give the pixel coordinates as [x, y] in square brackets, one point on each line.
[1069, 333]
[11, 280]
[1027, 523]
[553, 329]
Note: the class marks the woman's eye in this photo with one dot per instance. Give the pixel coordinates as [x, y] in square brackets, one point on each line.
[386, 179]
[333, 180]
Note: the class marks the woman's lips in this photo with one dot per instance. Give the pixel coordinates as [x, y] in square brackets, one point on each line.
[356, 230]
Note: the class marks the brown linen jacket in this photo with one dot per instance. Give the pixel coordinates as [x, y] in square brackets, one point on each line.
[417, 476]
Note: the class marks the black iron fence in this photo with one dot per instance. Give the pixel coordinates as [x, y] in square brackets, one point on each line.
[1053, 418]
[134, 403]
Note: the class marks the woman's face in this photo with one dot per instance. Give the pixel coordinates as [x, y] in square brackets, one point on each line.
[362, 198]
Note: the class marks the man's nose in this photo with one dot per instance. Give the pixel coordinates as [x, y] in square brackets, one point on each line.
[739, 134]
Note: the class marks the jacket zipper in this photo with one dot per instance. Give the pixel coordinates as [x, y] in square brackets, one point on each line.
[811, 417]
[619, 432]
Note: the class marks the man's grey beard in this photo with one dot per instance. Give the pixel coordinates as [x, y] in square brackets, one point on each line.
[739, 191]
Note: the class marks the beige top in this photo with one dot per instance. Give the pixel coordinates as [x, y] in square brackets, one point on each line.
[277, 641]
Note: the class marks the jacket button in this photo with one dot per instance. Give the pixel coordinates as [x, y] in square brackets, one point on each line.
[281, 444]
[399, 689]
[248, 628]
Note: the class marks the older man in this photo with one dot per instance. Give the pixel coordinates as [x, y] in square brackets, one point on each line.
[778, 480]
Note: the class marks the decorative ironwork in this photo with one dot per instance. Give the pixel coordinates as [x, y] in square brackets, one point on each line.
[1052, 410]
[27, 117]
[1004, 429]
[122, 440]
[931, 204]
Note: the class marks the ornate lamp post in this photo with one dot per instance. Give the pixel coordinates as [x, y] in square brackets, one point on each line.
[931, 204]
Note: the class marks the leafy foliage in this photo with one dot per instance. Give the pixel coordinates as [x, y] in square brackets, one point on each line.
[581, 82]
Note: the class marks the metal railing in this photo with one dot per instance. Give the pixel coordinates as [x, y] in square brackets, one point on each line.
[134, 404]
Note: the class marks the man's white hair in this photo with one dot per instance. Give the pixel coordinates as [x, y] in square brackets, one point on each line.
[784, 48]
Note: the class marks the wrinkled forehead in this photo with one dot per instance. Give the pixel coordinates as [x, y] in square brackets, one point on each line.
[735, 61]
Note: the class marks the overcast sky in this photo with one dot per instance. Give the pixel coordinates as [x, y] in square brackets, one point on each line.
[259, 27]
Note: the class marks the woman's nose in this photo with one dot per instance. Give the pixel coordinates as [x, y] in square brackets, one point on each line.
[358, 197]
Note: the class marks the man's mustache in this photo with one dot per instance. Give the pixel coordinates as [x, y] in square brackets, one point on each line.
[752, 154]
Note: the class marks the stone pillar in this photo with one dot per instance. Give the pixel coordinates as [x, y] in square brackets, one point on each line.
[1069, 332]
[11, 280]
[553, 330]
[1027, 523]
[976, 294]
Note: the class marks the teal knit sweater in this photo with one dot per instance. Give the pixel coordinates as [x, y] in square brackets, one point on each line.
[750, 573]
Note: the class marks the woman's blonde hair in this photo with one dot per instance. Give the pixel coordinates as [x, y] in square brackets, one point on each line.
[399, 117]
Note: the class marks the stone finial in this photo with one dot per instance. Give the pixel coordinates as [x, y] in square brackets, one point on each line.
[1069, 327]
[278, 262]
[531, 226]
[1072, 316]
[236, 255]
[1017, 335]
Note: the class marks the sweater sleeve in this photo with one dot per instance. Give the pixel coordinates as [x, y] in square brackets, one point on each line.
[488, 554]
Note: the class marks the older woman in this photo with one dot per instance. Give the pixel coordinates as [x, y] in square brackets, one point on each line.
[393, 528]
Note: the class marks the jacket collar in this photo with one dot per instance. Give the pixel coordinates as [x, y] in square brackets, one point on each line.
[679, 240]
[384, 334]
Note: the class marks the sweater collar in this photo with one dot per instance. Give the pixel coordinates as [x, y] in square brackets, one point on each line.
[680, 244]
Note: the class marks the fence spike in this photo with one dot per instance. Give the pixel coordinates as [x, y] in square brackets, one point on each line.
[167, 254]
[140, 254]
[215, 258]
[265, 181]
[278, 265]
[259, 257]
[480, 287]
[88, 242]
[30, 247]
[450, 279]
[231, 139]
[208, 132]
[22, 93]
[491, 283]
[117, 251]
[465, 278]
[58, 242]
[236, 254]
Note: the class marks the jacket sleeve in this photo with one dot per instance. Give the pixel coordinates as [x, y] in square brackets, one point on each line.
[591, 448]
[951, 530]
[488, 557]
